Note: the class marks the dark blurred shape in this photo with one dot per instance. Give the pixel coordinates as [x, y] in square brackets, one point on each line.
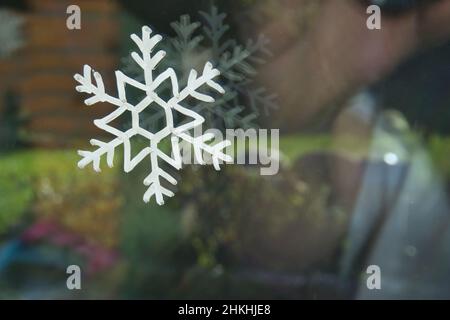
[15, 4]
[168, 10]
[425, 99]
[9, 123]
[158, 15]
[398, 6]
[41, 72]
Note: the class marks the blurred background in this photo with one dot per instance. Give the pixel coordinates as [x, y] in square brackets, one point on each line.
[364, 118]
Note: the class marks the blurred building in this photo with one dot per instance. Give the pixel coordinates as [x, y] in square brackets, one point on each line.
[38, 78]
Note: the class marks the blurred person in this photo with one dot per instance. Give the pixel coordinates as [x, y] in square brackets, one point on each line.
[325, 64]
[400, 211]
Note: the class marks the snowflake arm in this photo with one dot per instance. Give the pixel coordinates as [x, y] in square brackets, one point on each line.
[153, 179]
[147, 62]
[199, 144]
[96, 89]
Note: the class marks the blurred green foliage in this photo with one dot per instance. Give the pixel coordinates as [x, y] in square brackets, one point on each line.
[45, 182]
[222, 224]
[439, 148]
[199, 242]
[16, 191]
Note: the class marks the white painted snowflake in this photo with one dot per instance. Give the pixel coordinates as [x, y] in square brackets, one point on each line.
[148, 62]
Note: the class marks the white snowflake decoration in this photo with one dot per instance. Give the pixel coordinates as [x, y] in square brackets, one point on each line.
[147, 62]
